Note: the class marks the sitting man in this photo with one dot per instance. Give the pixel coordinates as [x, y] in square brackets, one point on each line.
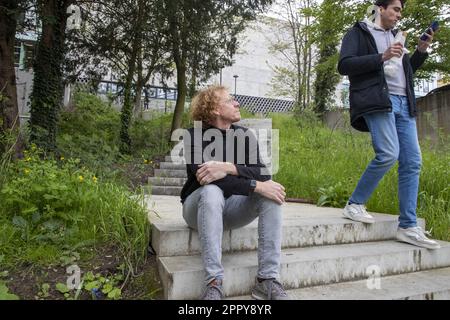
[220, 195]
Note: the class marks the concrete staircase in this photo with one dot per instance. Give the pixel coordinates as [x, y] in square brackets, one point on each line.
[169, 178]
[324, 256]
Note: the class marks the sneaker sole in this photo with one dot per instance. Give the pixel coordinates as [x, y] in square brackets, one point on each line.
[369, 221]
[403, 238]
[257, 297]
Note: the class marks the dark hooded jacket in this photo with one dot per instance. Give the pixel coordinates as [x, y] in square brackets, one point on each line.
[360, 61]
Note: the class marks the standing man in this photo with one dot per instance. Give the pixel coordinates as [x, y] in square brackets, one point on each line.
[384, 104]
[223, 193]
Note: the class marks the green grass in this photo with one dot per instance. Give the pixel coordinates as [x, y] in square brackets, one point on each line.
[325, 165]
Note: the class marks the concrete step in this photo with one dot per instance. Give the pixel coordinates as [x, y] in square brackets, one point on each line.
[170, 159]
[172, 165]
[166, 191]
[424, 285]
[170, 173]
[172, 182]
[309, 226]
[183, 276]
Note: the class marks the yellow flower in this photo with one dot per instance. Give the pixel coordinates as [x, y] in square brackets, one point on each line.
[80, 178]
[145, 161]
[28, 159]
[94, 178]
[62, 158]
[27, 171]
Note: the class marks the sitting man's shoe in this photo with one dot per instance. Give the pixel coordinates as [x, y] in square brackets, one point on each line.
[269, 289]
[417, 237]
[357, 212]
[213, 291]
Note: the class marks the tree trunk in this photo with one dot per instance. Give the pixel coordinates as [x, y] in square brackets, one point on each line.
[125, 117]
[193, 83]
[9, 110]
[127, 109]
[178, 31]
[309, 74]
[296, 39]
[47, 95]
[139, 85]
[181, 97]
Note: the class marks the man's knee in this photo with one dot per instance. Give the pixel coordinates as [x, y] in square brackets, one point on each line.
[212, 194]
[411, 164]
[264, 203]
[388, 157]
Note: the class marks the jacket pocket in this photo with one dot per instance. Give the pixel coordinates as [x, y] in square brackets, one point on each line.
[369, 94]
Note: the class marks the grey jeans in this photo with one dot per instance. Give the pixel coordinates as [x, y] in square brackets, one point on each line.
[207, 211]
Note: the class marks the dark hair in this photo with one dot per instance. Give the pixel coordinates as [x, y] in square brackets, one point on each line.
[386, 3]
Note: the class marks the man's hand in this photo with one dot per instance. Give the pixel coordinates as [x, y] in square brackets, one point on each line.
[423, 45]
[396, 50]
[214, 170]
[271, 190]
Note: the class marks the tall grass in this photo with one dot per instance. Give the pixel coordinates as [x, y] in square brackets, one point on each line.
[325, 165]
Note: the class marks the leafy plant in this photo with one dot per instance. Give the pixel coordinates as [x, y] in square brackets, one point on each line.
[44, 290]
[5, 295]
[97, 286]
[333, 196]
[51, 207]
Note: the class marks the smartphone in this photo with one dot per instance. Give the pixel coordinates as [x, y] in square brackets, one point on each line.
[434, 26]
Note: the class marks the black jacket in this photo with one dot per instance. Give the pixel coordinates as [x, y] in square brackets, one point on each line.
[248, 168]
[360, 61]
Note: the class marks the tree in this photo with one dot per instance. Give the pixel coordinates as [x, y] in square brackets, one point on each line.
[330, 20]
[295, 44]
[127, 36]
[202, 37]
[417, 16]
[46, 97]
[10, 10]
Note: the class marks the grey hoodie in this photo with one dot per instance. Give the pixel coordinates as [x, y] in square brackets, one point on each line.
[384, 39]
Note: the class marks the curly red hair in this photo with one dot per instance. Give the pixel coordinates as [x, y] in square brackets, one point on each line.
[205, 102]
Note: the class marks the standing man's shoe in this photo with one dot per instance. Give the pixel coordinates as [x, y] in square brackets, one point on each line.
[213, 291]
[417, 237]
[357, 212]
[269, 289]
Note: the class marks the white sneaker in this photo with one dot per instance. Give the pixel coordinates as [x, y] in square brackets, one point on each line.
[357, 212]
[417, 237]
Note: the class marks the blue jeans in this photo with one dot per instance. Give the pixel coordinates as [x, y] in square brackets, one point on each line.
[207, 211]
[394, 137]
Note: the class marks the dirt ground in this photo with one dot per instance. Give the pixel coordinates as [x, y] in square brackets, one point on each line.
[27, 281]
